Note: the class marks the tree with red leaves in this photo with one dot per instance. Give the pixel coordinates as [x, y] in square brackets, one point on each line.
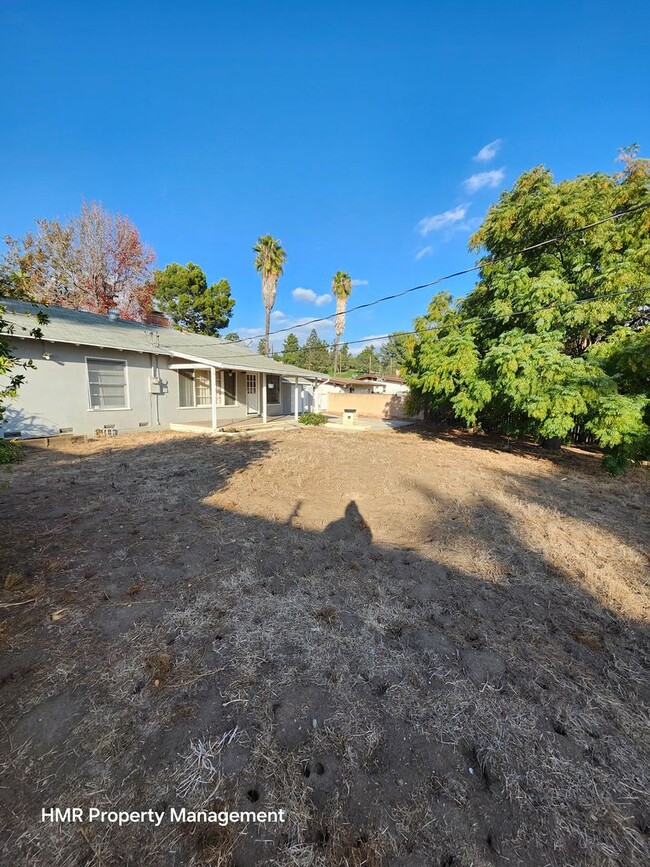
[95, 261]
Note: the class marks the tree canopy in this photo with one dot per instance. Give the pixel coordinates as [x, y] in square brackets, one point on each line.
[315, 353]
[528, 350]
[291, 350]
[270, 257]
[182, 292]
[11, 368]
[95, 261]
[367, 361]
[392, 354]
[341, 289]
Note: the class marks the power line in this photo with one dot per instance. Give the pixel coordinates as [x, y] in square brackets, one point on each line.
[478, 319]
[559, 237]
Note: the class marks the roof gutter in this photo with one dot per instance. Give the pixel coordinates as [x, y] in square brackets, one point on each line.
[228, 366]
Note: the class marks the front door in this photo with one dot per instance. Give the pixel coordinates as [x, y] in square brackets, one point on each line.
[252, 399]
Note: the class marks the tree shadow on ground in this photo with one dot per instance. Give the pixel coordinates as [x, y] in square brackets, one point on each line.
[583, 457]
[403, 711]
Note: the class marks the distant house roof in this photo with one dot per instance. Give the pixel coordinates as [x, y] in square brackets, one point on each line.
[385, 377]
[91, 329]
[348, 382]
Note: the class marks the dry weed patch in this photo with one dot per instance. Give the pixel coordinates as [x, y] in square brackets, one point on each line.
[427, 651]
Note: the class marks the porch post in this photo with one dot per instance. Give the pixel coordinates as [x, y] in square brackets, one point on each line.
[264, 410]
[295, 398]
[213, 395]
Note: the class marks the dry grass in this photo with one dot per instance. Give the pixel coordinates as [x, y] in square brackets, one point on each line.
[427, 651]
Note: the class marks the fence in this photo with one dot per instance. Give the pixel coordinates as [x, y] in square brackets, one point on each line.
[508, 424]
[369, 405]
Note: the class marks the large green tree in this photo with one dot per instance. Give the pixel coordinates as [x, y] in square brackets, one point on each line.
[291, 350]
[182, 292]
[528, 350]
[12, 368]
[346, 359]
[393, 353]
[367, 361]
[269, 264]
[315, 354]
[342, 289]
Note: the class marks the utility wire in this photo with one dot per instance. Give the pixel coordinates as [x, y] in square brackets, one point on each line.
[559, 237]
[472, 320]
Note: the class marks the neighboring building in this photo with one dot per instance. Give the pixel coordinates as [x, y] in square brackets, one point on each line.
[96, 375]
[367, 384]
[387, 383]
[333, 385]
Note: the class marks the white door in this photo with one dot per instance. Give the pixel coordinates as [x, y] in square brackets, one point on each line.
[252, 400]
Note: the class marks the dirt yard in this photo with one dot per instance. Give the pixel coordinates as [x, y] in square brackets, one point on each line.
[430, 650]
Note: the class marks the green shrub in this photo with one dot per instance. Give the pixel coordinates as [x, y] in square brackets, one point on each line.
[313, 418]
[10, 451]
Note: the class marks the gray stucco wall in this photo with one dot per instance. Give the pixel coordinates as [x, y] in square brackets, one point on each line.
[55, 395]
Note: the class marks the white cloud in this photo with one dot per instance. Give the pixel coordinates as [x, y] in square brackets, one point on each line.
[488, 151]
[442, 221]
[360, 282]
[278, 314]
[310, 297]
[425, 251]
[484, 179]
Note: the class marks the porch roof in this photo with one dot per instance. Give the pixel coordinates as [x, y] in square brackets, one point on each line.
[90, 329]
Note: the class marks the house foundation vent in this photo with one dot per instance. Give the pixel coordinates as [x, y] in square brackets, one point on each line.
[109, 430]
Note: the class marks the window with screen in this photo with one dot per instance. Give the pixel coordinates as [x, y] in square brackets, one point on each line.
[229, 387]
[202, 387]
[107, 383]
[194, 388]
[272, 388]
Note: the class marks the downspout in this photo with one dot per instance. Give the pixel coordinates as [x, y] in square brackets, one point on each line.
[155, 373]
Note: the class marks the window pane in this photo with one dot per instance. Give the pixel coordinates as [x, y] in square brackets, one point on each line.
[107, 381]
[185, 388]
[229, 387]
[272, 388]
[202, 382]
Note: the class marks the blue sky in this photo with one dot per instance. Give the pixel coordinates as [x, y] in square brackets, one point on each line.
[368, 136]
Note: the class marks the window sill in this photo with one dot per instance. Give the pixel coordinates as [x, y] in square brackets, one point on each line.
[109, 409]
[201, 406]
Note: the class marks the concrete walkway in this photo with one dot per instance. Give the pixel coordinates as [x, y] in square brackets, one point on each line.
[374, 424]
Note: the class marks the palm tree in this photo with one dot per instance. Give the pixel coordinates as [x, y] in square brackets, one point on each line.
[269, 262]
[341, 287]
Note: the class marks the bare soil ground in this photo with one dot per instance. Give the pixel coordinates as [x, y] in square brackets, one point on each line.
[429, 649]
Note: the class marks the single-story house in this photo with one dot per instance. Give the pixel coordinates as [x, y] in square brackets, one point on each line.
[99, 375]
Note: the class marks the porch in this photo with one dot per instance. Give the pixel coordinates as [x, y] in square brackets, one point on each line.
[246, 424]
[215, 398]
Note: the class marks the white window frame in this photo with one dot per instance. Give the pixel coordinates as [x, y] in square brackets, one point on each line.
[127, 393]
[193, 370]
[221, 387]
